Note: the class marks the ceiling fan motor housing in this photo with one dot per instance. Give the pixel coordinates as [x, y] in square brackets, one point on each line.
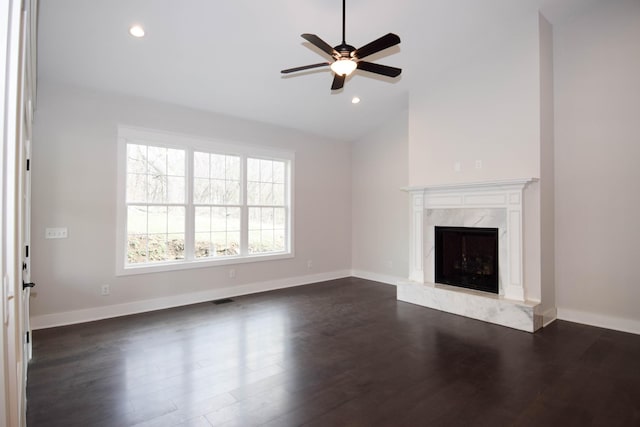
[345, 51]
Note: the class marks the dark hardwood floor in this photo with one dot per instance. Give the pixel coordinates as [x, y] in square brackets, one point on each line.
[340, 353]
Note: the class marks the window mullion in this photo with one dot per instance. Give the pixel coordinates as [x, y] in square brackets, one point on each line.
[244, 210]
[189, 220]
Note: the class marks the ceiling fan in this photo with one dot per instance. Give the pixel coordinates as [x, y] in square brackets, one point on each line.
[347, 58]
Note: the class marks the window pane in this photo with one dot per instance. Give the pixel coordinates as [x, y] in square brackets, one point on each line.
[157, 189]
[278, 172]
[233, 168]
[278, 242]
[136, 188]
[175, 243]
[267, 218]
[254, 241]
[157, 219]
[266, 193]
[201, 165]
[233, 241]
[136, 219]
[176, 189]
[175, 219]
[217, 191]
[279, 218]
[254, 219]
[225, 235]
[266, 171]
[219, 219]
[218, 168]
[278, 194]
[219, 240]
[201, 191]
[233, 220]
[157, 247]
[267, 240]
[266, 229]
[253, 170]
[157, 160]
[253, 193]
[175, 162]
[203, 219]
[136, 248]
[203, 245]
[136, 158]
[232, 193]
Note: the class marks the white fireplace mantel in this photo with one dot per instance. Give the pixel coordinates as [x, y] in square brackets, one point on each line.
[496, 204]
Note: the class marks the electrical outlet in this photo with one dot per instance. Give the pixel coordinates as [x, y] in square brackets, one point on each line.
[478, 164]
[55, 233]
[232, 273]
[457, 166]
[105, 290]
[309, 264]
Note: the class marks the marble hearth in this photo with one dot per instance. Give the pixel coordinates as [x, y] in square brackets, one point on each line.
[487, 204]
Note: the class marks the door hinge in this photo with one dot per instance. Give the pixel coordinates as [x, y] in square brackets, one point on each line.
[28, 164]
[28, 337]
[24, 266]
[26, 251]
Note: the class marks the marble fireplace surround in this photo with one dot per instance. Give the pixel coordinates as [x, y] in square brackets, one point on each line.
[496, 204]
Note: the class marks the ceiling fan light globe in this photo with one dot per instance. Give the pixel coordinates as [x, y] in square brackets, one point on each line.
[344, 67]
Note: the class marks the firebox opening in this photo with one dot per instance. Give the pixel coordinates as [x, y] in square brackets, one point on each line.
[467, 257]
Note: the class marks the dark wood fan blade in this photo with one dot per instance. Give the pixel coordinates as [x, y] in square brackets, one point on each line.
[385, 70]
[320, 44]
[305, 67]
[375, 46]
[338, 82]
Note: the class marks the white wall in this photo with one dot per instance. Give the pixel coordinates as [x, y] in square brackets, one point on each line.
[486, 108]
[74, 186]
[380, 210]
[597, 132]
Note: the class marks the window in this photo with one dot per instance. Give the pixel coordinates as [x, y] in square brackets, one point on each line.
[266, 204]
[186, 203]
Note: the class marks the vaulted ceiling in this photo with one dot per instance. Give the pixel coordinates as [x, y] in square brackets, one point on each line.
[226, 56]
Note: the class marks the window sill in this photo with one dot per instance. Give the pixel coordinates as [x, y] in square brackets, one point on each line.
[206, 263]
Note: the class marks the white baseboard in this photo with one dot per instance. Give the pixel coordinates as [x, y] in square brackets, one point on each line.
[382, 278]
[600, 320]
[549, 316]
[116, 310]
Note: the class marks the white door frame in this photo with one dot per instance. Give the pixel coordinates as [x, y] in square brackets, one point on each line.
[16, 92]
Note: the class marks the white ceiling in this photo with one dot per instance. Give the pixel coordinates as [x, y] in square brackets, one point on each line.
[226, 56]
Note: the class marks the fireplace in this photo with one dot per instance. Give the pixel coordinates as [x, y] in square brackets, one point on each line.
[467, 257]
[483, 224]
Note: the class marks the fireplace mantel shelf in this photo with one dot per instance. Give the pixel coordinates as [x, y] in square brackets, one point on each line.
[471, 185]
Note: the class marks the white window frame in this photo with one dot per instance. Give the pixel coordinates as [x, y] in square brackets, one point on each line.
[129, 134]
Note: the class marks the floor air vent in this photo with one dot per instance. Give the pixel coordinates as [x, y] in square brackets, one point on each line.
[222, 301]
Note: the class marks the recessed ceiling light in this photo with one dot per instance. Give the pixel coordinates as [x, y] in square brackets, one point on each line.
[355, 100]
[136, 31]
